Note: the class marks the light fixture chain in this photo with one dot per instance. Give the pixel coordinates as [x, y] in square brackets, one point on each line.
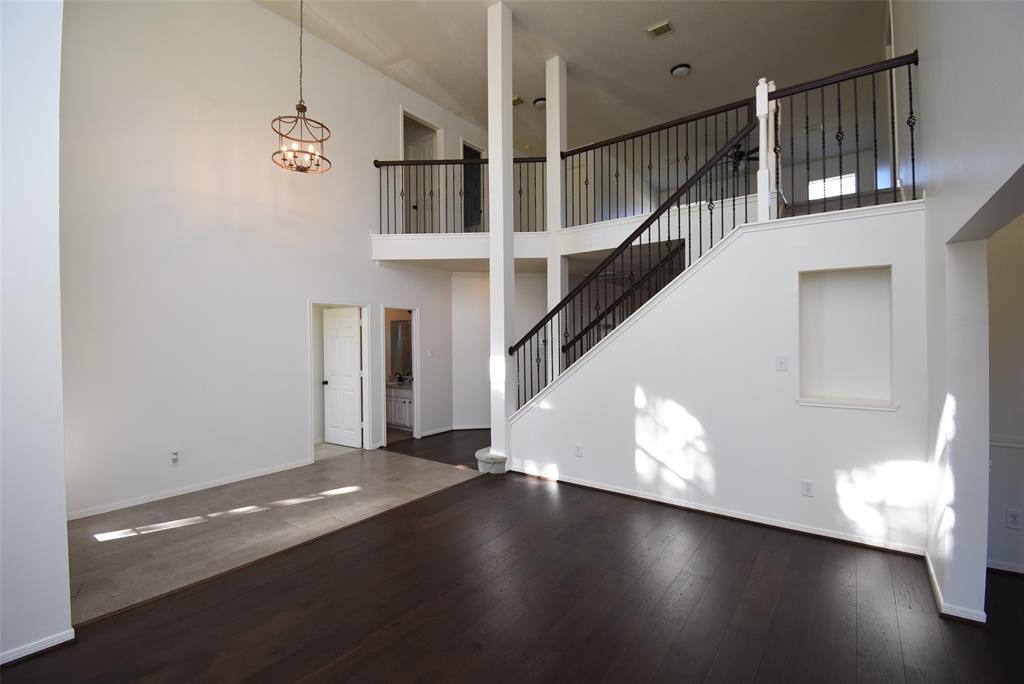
[301, 31]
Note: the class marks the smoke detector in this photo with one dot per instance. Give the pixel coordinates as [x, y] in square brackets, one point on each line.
[659, 29]
[680, 70]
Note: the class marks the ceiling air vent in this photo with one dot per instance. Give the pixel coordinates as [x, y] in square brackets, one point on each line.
[516, 101]
[659, 29]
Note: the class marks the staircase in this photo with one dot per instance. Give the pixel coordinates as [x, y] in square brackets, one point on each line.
[797, 140]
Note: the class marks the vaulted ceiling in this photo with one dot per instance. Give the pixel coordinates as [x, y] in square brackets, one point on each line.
[618, 74]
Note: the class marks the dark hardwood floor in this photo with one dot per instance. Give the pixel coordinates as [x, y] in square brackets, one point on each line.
[455, 447]
[518, 579]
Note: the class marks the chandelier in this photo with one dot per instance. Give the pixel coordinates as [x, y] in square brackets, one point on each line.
[300, 140]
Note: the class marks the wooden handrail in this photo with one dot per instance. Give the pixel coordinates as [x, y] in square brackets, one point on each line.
[749, 102]
[884, 65]
[449, 162]
[665, 206]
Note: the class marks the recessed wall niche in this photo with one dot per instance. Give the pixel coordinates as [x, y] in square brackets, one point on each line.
[846, 334]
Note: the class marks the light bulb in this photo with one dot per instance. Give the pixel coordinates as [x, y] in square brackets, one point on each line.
[310, 149]
[307, 157]
[295, 146]
[284, 148]
[290, 154]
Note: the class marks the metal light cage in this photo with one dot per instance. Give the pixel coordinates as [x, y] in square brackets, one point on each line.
[301, 142]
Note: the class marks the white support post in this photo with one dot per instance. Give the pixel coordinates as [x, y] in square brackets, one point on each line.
[763, 175]
[774, 112]
[556, 135]
[502, 271]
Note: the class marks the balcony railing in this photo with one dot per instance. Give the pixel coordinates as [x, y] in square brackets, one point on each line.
[632, 174]
[847, 140]
[451, 196]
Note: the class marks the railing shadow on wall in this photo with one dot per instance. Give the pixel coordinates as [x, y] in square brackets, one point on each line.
[451, 196]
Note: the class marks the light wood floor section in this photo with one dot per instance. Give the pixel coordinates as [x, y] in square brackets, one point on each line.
[154, 548]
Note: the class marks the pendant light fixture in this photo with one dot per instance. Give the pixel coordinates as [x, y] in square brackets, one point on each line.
[300, 140]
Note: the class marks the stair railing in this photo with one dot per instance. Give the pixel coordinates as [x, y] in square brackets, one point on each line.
[708, 204]
[451, 195]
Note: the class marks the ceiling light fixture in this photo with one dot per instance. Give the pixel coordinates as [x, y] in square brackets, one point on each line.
[300, 140]
[680, 70]
[540, 102]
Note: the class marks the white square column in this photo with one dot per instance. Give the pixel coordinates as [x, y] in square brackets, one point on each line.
[556, 134]
[502, 270]
[556, 128]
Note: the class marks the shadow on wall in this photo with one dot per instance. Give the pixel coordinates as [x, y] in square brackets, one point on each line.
[883, 502]
[671, 456]
[942, 517]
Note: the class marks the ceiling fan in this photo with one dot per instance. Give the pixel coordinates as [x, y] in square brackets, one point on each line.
[738, 156]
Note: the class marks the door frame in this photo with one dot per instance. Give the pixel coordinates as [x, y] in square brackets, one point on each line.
[314, 383]
[417, 384]
[404, 113]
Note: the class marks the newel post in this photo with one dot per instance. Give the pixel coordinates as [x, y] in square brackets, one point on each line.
[764, 189]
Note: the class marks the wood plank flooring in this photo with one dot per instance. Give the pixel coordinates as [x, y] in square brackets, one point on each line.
[133, 554]
[455, 447]
[518, 579]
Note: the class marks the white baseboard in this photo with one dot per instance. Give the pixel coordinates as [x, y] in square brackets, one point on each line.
[36, 646]
[1006, 566]
[949, 608]
[472, 427]
[427, 433]
[739, 515]
[128, 503]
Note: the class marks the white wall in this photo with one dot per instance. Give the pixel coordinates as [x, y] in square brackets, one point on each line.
[969, 145]
[1006, 390]
[34, 587]
[470, 328]
[682, 403]
[190, 259]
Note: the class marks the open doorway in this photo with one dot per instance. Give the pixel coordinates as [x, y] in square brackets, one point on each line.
[400, 390]
[421, 141]
[339, 358]
[472, 185]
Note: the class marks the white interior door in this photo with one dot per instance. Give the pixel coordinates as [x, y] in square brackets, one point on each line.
[419, 195]
[343, 395]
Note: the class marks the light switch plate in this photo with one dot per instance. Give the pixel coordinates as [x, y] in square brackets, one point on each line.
[782, 363]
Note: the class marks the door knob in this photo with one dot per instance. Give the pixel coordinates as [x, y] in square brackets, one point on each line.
[324, 382]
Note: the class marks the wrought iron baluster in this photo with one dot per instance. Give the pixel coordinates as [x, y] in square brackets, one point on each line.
[874, 132]
[892, 131]
[839, 136]
[912, 123]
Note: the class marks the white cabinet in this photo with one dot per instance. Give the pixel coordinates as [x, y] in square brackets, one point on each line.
[399, 407]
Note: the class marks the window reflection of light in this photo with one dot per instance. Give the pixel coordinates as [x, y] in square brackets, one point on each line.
[233, 512]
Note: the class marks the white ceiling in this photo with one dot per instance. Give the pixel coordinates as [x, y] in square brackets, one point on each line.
[618, 75]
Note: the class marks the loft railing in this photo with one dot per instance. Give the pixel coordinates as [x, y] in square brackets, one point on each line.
[451, 195]
[847, 140]
[631, 174]
[708, 204]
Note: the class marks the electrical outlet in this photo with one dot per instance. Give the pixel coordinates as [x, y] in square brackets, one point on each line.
[806, 488]
[1014, 519]
[174, 458]
[782, 363]
[579, 451]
